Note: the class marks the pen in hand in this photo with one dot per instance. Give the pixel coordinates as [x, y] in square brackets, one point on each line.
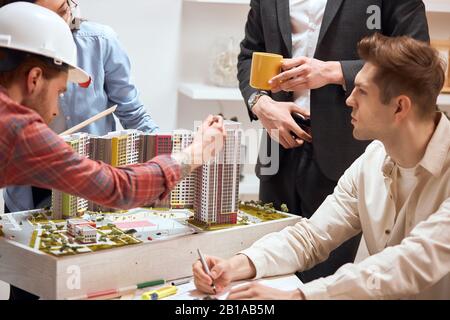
[206, 268]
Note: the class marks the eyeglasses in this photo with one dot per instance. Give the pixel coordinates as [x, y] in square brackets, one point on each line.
[72, 4]
[68, 8]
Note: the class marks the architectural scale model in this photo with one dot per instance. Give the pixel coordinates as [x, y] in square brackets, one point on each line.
[152, 145]
[117, 148]
[66, 205]
[212, 190]
[206, 200]
[217, 182]
[182, 196]
[94, 231]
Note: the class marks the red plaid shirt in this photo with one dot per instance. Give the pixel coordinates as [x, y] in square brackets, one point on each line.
[32, 154]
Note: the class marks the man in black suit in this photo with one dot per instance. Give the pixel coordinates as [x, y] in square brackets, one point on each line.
[318, 40]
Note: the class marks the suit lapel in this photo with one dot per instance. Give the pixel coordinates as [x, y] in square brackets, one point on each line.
[331, 10]
[284, 22]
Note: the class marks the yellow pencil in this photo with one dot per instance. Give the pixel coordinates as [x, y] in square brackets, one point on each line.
[159, 293]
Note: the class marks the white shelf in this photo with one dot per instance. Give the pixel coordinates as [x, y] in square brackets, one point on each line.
[442, 6]
[247, 2]
[201, 91]
[444, 100]
[250, 185]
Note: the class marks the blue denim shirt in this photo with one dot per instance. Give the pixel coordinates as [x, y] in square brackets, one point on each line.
[101, 55]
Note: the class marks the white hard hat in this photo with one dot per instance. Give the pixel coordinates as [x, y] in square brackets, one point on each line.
[34, 29]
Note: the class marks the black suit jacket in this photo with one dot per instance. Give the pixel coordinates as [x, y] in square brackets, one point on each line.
[344, 24]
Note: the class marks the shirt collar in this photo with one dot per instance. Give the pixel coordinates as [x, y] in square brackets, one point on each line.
[436, 152]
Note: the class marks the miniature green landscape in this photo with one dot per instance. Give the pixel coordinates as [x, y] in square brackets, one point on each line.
[257, 209]
[53, 238]
[117, 229]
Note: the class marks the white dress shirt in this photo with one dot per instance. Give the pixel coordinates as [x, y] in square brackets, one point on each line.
[409, 249]
[306, 21]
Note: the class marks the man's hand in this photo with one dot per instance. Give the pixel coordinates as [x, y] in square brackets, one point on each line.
[208, 141]
[257, 291]
[277, 120]
[223, 272]
[305, 73]
[220, 271]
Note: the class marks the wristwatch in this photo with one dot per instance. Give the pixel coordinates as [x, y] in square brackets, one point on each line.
[254, 99]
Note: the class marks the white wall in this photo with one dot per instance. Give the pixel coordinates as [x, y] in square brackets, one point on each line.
[149, 31]
[202, 25]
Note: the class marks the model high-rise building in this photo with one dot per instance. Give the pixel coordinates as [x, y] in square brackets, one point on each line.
[118, 148]
[147, 146]
[154, 144]
[65, 205]
[182, 196]
[217, 183]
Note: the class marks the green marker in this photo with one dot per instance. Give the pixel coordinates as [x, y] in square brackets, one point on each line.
[150, 283]
[114, 293]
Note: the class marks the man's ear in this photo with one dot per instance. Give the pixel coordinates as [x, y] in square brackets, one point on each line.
[34, 80]
[403, 106]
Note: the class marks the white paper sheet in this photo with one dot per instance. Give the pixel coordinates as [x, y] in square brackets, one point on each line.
[189, 292]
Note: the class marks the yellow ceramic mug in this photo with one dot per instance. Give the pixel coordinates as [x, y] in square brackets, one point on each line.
[265, 66]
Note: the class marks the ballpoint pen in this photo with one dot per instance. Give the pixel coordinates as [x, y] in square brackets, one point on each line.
[206, 268]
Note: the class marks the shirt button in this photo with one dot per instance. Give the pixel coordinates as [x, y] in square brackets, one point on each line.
[67, 118]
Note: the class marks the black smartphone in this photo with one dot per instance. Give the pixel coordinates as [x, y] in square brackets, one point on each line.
[304, 123]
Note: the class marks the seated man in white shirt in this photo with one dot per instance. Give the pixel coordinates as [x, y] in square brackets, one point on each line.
[397, 193]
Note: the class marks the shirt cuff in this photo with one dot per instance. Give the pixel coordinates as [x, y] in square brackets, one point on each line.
[315, 290]
[171, 170]
[258, 260]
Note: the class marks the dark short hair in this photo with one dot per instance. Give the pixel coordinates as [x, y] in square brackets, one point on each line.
[19, 63]
[405, 66]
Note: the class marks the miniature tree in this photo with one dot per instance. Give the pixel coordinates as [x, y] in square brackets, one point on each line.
[268, 205]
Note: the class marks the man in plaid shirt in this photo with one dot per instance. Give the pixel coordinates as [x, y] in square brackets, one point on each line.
[31, 153]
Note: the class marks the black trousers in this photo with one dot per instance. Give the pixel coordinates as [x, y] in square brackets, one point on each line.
[41, 198]
[301, 185]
